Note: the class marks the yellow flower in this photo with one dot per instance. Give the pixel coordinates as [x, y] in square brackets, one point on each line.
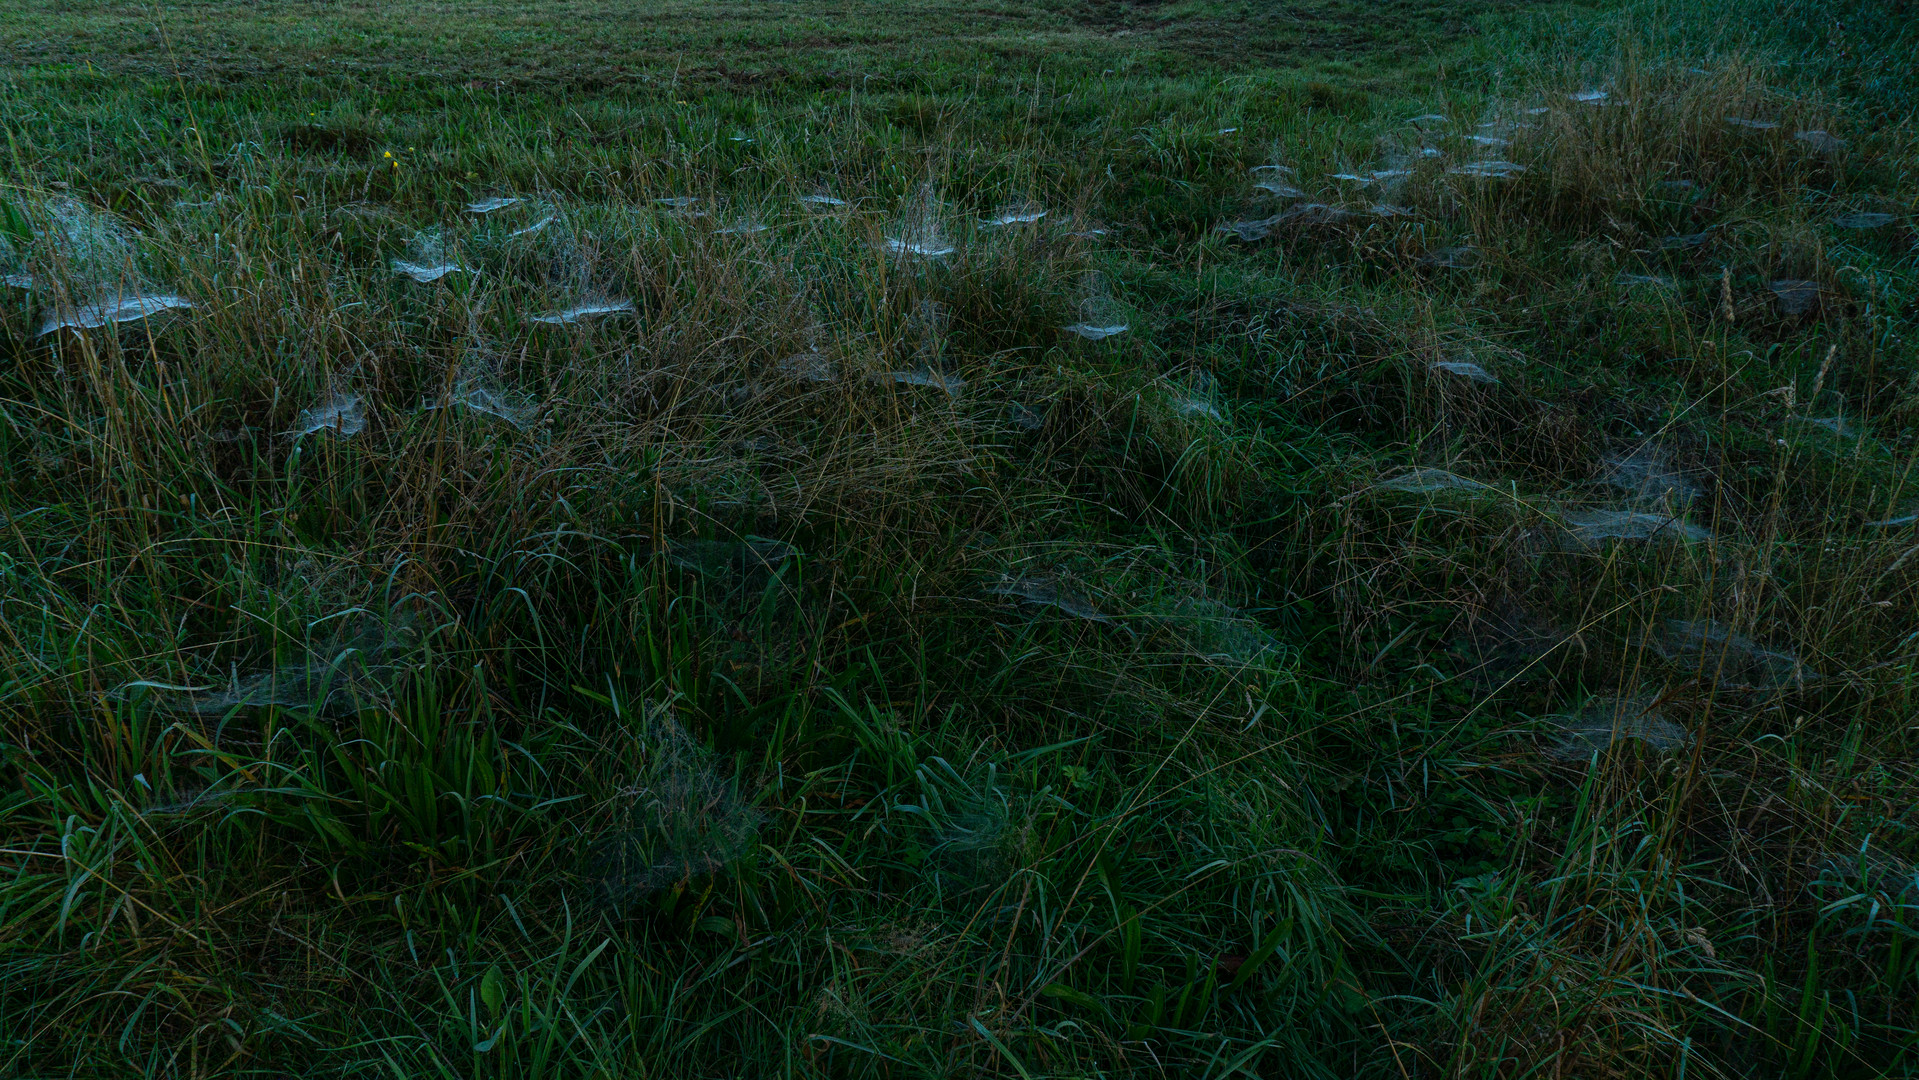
[389, 153]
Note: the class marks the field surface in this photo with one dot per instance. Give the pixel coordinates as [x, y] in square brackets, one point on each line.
[891, 539]
[601, 44]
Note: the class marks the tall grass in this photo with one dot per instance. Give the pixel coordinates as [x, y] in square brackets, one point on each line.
[1374, 661]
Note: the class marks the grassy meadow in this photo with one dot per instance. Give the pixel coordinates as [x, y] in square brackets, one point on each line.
[1081, 539]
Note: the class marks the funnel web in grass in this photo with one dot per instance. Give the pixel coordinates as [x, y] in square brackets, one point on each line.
[1465, 369]
[1795, 297]
[183, 802]
[1731, 658]
[1590, 529]
[1822, 142]
[332, 674]
[480, 395]
[490, 204]
[1396, 168]
[1488, 170]
[533, 229]
[426, 260]
[1498, 128]
[923, 245]
[1215, 631]
[1047, 591]
[1312, 214]
[1458, 257]
[91, 246]
[1197, 407]
[293, 687]
[556, 250]
[1603, 722]
[1864, 219]
[680, 818]
[96, 257]
[1249, 231]
[811, 366]
[422, 272]
[1836, 425]
[1018, 214]
[918, 231]
[581, 312]
[1431, 481]
[190, 205]
[1100, 317]
[1648, 479]
[343, 415]
[927, 323]
[1633, 281]
[1304, 215]
[1685, 242]
[927, 377]
[119, 310]
[1195, 397]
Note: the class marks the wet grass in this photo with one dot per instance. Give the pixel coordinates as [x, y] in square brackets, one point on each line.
[674, 624]
[598, 45]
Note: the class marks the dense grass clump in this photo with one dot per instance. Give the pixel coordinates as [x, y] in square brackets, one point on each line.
[633, 564]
